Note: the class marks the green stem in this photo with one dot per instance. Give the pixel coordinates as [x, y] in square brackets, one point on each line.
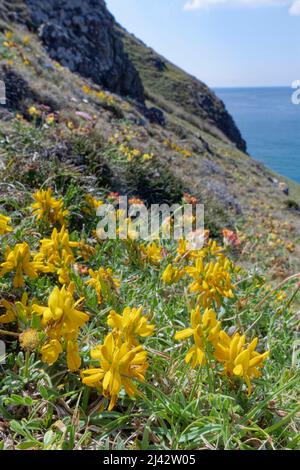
[26, 370]
[9, 333]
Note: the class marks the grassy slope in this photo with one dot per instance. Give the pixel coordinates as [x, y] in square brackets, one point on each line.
[172, 413]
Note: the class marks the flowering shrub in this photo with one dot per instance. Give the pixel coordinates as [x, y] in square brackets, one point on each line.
[123, 319]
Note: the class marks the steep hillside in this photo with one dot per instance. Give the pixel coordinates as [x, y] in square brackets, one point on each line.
[175, 91]
[191, 143]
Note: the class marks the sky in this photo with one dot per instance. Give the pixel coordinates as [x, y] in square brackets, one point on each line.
[225, 43]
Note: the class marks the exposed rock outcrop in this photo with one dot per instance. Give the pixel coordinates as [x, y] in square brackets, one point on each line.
[80, 35]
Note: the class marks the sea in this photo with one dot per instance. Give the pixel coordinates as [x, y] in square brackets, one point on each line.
[270, 124]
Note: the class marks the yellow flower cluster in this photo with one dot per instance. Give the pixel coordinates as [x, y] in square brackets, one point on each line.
[211, 279]
[152, 253]
[4, 225]
[56, 253]
[91, 204]
[62, 322]
[101, 95]
[104, 283]
[177, 148]
[205, 330]
[211, 273]
[240, 360]
[49, 209]
[121, 357]
[18, 261]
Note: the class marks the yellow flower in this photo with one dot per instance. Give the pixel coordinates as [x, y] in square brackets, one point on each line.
[240, 360]
[204, 329]
[86, 89]
[103, 282]
[10, 314]
[92, 204]
[9, 35]
[62, 311]
[48, 208]
[211, 280]
[62, 321]
[130, 324]
[73, 357]
[57, 254]
[20, 309]
[26, 40]
[51, 351]
[119, 365]
[29, 339]
[172, 275]
[152, 253]
[18, 260]
[4, 225]
[50, 119]
[33, 111]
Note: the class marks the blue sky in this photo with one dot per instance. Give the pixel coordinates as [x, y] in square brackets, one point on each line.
[222, 42]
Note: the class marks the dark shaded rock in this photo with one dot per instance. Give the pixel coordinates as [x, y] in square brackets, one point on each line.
[159, 64]
[19, 94]
[217, 114]
[155, 116]
[80, 35]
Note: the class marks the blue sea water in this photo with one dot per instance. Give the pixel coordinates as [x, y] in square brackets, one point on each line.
[270, 124]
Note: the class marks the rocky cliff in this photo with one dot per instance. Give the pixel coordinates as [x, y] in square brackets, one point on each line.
[83, 36]
[169, 86]
[80, 35]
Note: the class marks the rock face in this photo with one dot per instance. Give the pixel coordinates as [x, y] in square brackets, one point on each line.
[80, 35]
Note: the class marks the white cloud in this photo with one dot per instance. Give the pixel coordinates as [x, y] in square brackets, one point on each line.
[294, 5]
[295, 8]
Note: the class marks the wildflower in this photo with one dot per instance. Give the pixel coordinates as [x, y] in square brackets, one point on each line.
[147, 156]
[56, 253]
[29, 339]
[86, 89]
[204, 329]
[184, 250]
[135, 201]
[48, 208]
[188, 199]
[26, 40]
[92, 204]
[8, 35]
[85, 250]
[62, 309]
[231, 239]
[152, 253]
[4, 225]
[10, 313]
[238, 359]
[103, 282]
[172, 275]
[50, 119]
[119, 365]
[51, 351]
[130, 324]
[73, 357]
[18, 260]
[62, 322]
[33, 111]
[211, 280]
